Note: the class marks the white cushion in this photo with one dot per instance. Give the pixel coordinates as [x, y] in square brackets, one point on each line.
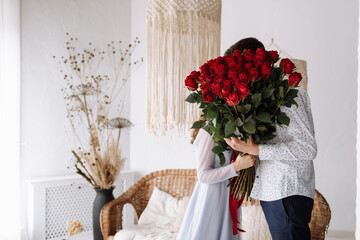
[166, 209]
[160, 220]
[145, 232]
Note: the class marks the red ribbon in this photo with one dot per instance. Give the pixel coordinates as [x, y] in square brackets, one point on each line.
[234, 204]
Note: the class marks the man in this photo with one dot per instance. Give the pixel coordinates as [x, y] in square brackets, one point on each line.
[285, 179]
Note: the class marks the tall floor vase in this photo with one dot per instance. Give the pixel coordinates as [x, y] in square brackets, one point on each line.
[102, 197]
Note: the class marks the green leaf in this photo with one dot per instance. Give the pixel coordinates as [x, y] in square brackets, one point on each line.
[239, 122]
[267, 137]
[207, 128]
[262, 128]
[217, 149]
[264, 117]
[230, 128]
[222, 159]
[284, 119]
[223, 144]
[281, 92]
[192, 98]
[212, 114]
[199, 124]
[237, 133]
[267, 92]
[244, 108]
[249, 125]
[256, 138]
[256, 99]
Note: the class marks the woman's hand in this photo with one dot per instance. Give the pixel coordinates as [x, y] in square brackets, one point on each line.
[243, 162]
[250, 147]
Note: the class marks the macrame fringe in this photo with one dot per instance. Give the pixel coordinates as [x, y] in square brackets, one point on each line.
[181, 35]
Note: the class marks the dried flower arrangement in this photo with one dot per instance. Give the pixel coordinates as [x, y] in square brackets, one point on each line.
[94, 103]
[73, 227]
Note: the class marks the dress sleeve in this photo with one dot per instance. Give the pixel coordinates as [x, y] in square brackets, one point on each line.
[206, 172]
[296, 141]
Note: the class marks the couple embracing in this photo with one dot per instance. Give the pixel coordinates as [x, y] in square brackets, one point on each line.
[284, 180]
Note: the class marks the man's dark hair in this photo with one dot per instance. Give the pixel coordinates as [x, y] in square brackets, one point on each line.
[246, 43]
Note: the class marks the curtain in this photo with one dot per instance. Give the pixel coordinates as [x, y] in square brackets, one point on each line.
[181, 35]
[10, 119]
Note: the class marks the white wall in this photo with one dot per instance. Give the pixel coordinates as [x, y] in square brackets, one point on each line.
[45, 146]
[325, 34]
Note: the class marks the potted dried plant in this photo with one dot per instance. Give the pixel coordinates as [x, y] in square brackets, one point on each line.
[94, 83]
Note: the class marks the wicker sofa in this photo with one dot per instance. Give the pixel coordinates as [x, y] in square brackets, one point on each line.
[180, 183]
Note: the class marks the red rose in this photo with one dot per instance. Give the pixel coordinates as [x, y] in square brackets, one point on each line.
[233, 99]
[195, 74]
[253, 74]
[287, 65]
[215, 88]
[214, 62]
[235, 80]
[274, 55]
[219, 69]
[205, 87]
[232, 74]
[225, 91]
[243, 76]
[248, 65]
[294, 79]
[208, 97]
[237, 52]
[266, 69]
[243, 89]
[226, 82]
[249, 55]
[260, 55]
[190, 83]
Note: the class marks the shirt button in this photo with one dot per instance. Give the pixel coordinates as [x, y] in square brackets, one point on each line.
[257, 176]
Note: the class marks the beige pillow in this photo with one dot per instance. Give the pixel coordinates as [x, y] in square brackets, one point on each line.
[164, 211]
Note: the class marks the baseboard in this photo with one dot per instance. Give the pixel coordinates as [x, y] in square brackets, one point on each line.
[341, 234]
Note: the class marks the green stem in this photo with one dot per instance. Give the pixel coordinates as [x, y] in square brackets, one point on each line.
[279, 104]
[236, 111]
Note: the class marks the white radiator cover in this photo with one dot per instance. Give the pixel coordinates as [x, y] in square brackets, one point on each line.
[54, 201]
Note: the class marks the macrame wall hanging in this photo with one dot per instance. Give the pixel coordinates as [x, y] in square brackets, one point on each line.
[181, 35]
[300, 64]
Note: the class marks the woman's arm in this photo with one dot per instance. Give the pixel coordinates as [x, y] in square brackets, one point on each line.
[205, 159]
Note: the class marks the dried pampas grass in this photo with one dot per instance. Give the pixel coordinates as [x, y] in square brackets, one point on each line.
[94, 82]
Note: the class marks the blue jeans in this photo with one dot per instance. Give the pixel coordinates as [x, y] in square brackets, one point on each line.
[289, 218]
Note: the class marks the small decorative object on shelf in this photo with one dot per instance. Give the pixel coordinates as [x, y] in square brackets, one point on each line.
[73, 227]
[94, 95]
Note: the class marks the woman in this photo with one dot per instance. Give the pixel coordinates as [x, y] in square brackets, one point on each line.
[208, 215]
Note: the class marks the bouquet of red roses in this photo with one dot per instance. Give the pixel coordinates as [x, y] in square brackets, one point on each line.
[240, 96]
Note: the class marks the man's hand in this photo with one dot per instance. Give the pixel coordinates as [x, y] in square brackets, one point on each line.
[250, 147]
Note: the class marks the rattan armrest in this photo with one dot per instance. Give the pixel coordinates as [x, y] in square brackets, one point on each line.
[112, 213]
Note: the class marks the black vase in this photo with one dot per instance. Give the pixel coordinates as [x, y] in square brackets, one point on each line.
[102, 197]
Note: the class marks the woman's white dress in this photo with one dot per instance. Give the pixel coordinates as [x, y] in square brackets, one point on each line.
[208, 215]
